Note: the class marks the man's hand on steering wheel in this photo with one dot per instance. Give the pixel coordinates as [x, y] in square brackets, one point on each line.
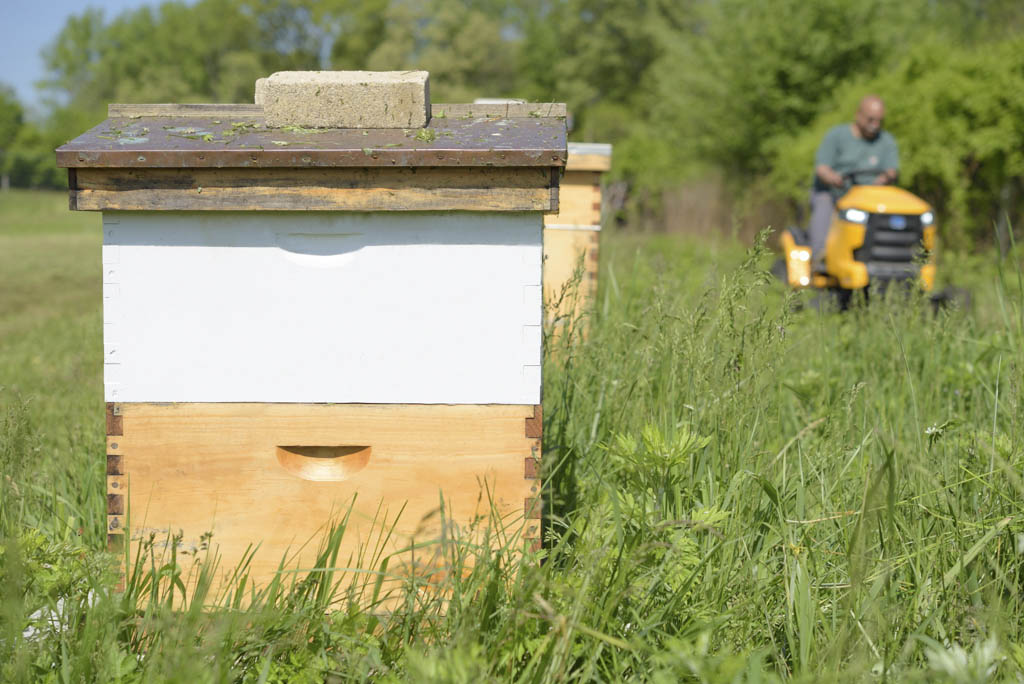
[830, 176]
[884, 178]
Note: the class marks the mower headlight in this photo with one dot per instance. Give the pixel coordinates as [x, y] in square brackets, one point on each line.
[927, 218]
[854, 215]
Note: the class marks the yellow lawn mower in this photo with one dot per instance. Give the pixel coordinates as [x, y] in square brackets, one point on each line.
[879, 234]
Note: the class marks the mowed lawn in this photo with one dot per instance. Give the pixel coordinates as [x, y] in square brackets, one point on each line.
[50, 300]
[740, 488]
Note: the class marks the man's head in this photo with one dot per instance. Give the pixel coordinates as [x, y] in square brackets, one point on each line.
[870, 115]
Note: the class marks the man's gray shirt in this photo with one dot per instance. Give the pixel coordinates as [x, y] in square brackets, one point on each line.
[844, 152]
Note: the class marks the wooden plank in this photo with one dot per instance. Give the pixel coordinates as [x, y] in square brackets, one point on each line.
[115, 544]
[588, 162]
[115, 481]
[113, 419]
[269, 199]
[441, 110]
[134, 111]
[589, 228]
[115, 504]
[531, 468]
[589, 157]
[72, 188]
[116, 484]
[312, 189]
[504, 110]
[565, 251]
[426, 178]
[535, 423]
[221, 142]
[579, 199]
[217, 468]
[537, 109]
[532, 474]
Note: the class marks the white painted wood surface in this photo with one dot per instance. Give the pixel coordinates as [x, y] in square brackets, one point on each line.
[421, 308]
[603, 149]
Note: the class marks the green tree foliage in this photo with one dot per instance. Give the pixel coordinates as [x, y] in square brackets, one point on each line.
[212, 50]
[971, 22]
[30, 162]
[755, 71]
[215, 49]
[735, 88]
[958, 115]
[596, 55]
[12, 117]
[464, 46]
[26, 150]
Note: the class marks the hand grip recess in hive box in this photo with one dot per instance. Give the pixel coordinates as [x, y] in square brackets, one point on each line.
[323, 463]
[320, 250]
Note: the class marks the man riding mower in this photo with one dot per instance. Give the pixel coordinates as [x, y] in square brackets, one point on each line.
[862, 230]
[878, 234]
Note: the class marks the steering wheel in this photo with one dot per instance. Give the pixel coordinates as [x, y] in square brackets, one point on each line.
[849, 178]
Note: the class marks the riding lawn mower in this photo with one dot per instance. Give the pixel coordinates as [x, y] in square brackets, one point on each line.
[879, 235]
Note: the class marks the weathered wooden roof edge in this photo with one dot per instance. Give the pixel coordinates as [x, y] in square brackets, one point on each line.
[234, 136]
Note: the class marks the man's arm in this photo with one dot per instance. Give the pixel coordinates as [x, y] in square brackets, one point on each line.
[890, 162]
[828, 175]
[824, 158]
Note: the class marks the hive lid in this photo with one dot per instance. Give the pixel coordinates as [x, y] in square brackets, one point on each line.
[601, 149]
[234, 136]
[589, 157]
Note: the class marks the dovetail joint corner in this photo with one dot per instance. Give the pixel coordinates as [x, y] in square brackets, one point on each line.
[115, 421]
[535, 425]
[115, 524]
[115, 544]
[531, 468]
[115, 504]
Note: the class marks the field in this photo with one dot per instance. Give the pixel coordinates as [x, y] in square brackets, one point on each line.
[741, 488]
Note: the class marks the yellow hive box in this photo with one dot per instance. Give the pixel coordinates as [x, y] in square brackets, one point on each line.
[572, 236]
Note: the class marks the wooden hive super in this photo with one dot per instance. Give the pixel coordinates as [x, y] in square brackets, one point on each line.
[295, 320]
[572, 235]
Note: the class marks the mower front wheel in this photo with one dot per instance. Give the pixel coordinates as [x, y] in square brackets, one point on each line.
[780, 271]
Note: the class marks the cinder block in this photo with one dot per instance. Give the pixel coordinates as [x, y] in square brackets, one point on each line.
[261, 91]
[345, 99]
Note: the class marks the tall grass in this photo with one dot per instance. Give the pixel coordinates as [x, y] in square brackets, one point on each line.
[739, 488]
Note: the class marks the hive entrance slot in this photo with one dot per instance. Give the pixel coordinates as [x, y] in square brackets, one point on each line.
[323, 463]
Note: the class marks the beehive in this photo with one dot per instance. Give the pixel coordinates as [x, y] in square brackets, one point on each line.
[572, 235]
[298, 319]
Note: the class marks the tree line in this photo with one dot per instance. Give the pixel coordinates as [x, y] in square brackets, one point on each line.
[683, 88]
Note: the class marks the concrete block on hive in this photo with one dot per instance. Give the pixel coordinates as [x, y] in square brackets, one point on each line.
[261, 91]
[345, 99]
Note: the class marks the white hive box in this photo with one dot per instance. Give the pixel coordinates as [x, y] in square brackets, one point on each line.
[297, 318]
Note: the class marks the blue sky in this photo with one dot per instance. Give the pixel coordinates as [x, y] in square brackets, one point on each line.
[28, 25]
